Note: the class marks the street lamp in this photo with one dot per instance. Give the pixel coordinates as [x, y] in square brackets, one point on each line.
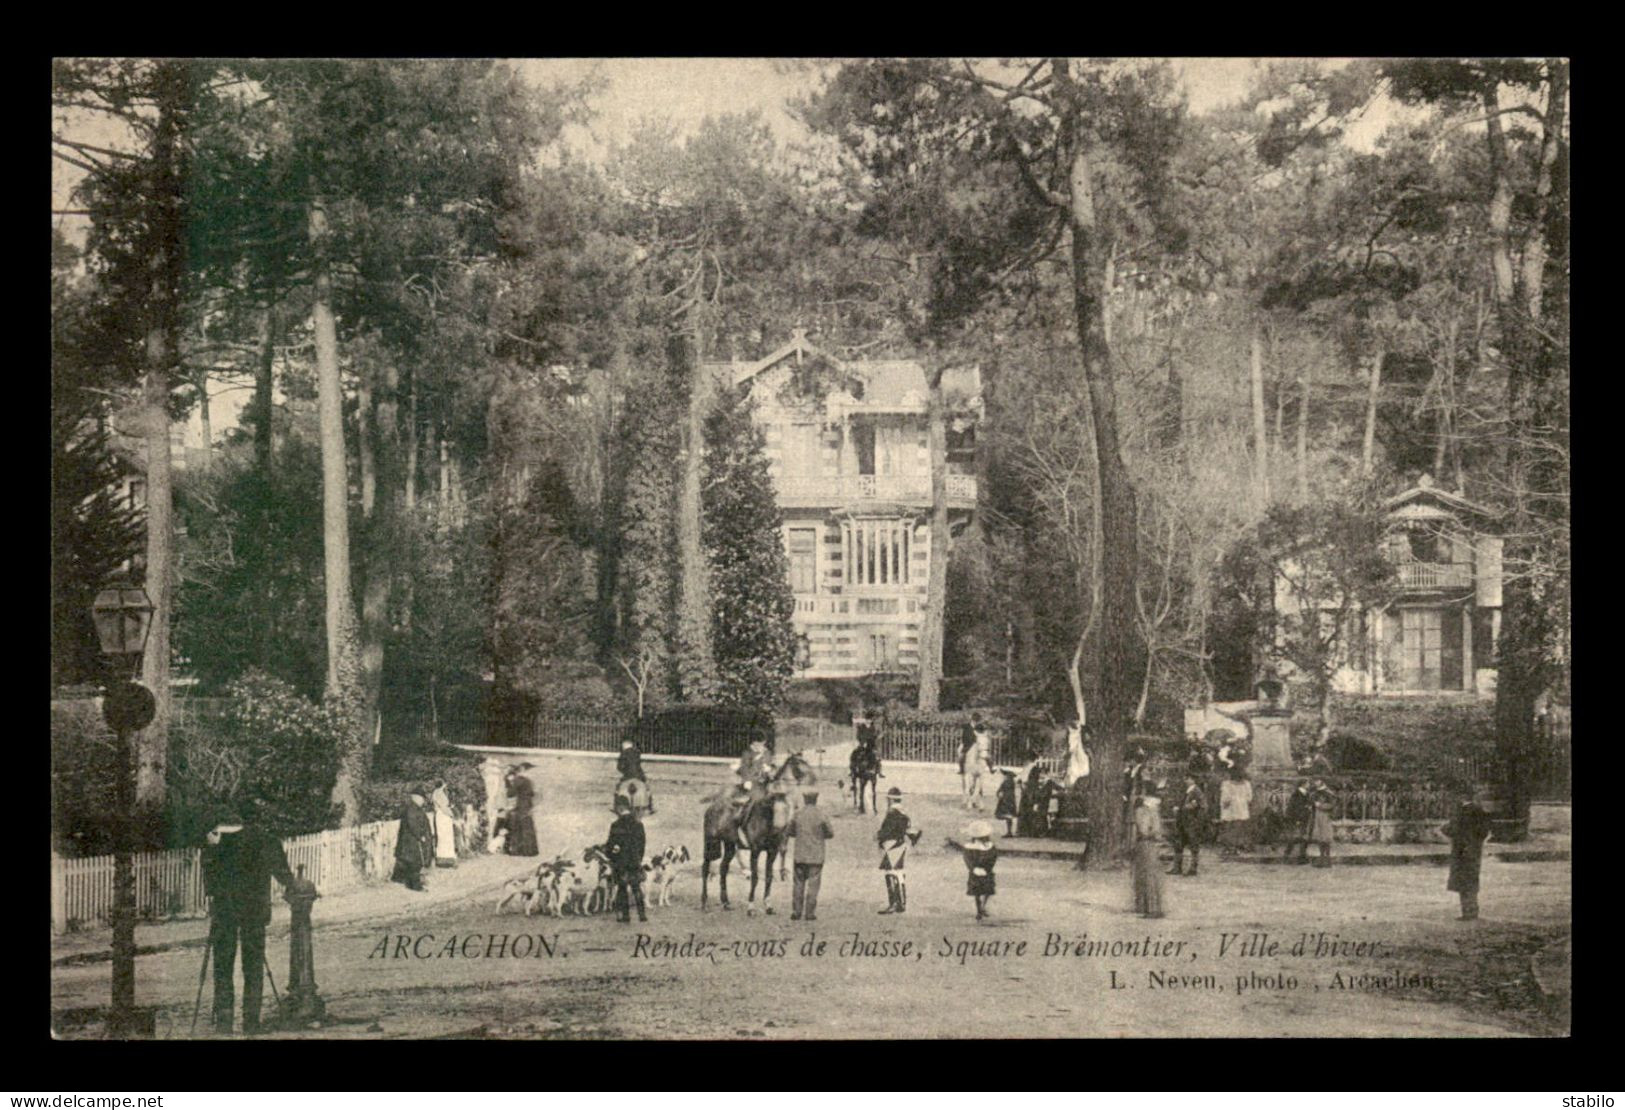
[123, 617]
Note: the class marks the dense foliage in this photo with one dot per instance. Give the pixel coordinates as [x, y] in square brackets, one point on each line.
[480, 476]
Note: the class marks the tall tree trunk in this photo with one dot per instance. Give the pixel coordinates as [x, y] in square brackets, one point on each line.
[205, 424]
[1119, 656]
[381, 518]
[1261, 461]
[1368, 447]
[163, 355]
[936, 575]
[411, 479]
[696, 671]
[343, 662]
[1524, 659]
[409, 501]
[366, 459]
[1303, 433]
[264, 384]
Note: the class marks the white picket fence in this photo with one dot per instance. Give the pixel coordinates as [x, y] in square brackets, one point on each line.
[170, 884]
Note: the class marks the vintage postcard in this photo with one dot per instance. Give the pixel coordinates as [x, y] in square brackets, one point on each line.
[781, 549]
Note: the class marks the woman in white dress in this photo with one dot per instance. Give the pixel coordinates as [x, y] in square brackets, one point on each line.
[445, 828]
[1077, 756]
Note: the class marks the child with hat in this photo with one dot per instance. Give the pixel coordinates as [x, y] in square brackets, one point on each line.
[980, 856]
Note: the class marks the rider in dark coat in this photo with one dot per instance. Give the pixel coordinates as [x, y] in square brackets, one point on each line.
[630, 767]
[865, 761]
[630, 763]
[625, 847]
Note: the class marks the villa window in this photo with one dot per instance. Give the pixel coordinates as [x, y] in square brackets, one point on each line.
[803, 550]
[876, 552]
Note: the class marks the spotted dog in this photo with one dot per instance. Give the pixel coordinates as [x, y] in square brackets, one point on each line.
[664, 870]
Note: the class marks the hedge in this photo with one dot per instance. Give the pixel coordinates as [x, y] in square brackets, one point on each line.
[396, 775]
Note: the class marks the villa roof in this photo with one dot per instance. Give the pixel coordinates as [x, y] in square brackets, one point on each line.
[1425, 490]
[887, 384]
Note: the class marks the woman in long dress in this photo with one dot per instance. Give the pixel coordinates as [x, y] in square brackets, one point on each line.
[1235, 811]
[1147, 844]
[1077, 756]
[445, 828]
[521, 822]
[1320, 822]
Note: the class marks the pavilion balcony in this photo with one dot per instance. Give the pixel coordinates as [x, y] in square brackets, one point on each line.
[1434, 576]
[847, 489]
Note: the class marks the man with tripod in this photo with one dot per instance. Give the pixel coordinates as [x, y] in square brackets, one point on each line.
[239, 860]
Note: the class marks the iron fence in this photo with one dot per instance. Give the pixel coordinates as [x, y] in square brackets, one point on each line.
[941, 742]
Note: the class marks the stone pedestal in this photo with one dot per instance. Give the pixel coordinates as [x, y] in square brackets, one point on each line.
[1272, 748]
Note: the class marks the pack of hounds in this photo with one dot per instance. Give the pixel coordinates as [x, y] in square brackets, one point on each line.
[563, 886]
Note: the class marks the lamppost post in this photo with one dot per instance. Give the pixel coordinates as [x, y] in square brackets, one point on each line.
[123, 618]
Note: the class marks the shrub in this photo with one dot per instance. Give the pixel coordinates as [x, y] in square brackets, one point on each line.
[1434, 740]
[267, 745]
[397, 774]
[84, 781]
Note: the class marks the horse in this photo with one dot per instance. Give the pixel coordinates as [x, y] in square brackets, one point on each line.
[865, 771]
[759, 826]
[800, 774]
[635, 794]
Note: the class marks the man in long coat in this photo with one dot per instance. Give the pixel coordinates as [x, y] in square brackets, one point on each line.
[414, 843]
[810, 828]
[1190, 825]
[625, 847]
[1300, 813]
[1468, 830]
[239, 861]
[897, 834]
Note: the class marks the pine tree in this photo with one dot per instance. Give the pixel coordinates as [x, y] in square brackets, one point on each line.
[751, 605]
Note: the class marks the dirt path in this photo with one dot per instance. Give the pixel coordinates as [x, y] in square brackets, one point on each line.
[1406, 968]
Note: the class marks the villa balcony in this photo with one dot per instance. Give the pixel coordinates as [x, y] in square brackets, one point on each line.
[1434, 576]
[847, 489]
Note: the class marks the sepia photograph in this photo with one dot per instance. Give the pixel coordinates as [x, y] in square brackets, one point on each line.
[777, 549]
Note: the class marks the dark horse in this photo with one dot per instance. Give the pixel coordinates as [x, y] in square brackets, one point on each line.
[865, 771]
[760, 827]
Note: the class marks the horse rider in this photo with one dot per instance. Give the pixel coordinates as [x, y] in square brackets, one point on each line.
[897, 834]
[865, 760]
[756, 765]
[630, 767]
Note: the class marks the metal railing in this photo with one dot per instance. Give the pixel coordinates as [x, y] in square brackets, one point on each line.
[1434, 576]
[918, 742]
[844, 488]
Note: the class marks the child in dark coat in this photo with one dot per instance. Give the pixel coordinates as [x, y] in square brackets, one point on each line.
[980, 856]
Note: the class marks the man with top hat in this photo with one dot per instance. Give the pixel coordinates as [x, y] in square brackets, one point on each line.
[809, 828]
[896, 835]
[239, 860]
[625, 848]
